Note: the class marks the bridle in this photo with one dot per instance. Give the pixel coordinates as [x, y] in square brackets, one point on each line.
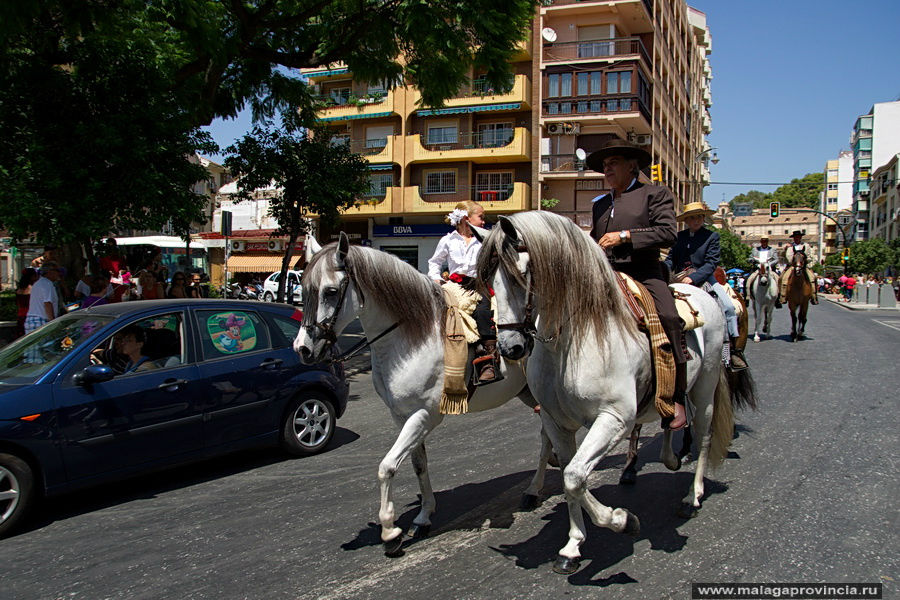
[527, 326]
[326, 327]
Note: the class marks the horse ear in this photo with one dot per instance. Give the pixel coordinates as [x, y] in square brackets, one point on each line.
[342, 249]
[312, 246]
[510, 230]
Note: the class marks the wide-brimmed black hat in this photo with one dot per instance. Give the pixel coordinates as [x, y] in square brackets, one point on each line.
[797, 232]
[618, 147]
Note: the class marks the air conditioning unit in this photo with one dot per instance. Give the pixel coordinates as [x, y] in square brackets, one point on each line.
[556, 128]
[643, 139]
[275, 245]
[237, 246]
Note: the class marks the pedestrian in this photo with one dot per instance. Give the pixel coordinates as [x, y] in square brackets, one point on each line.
[632, 224]
[200, 290]
[178, 288]
[693, 261]
[48, 255]
[849, 284]
[150, 288]
[23, 297]
[459, 251]
[43, 305]
[99, 291]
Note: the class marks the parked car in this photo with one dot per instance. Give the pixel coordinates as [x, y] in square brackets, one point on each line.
[270, 287]
[120, 389]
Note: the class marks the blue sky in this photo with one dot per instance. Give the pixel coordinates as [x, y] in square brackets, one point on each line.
[789, 79]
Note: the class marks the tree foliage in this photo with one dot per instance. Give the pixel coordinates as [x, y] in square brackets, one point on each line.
[733, 253]
[871, 256]
[799, 193]
[309, 173]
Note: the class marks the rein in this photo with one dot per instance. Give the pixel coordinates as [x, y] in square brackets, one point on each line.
[527, 326]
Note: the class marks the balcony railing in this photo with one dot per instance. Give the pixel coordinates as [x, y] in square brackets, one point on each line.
[468, 139]
[594, 105]
[594, 49]
[506, 198]
[561, 163]
[480, 88]
[493, 146]
[328, 101]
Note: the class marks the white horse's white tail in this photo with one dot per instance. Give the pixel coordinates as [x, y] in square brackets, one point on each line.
[722, 423]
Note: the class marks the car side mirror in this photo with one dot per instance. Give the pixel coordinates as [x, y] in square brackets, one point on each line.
[94, 374]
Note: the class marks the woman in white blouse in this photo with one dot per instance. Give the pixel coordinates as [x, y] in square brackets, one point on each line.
[459, 251]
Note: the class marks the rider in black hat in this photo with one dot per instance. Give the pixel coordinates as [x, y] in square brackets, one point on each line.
[797, 245]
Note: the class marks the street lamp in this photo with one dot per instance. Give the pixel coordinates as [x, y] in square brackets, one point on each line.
[714, 159]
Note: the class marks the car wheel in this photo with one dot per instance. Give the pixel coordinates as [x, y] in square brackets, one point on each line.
[308, 424]
[16, 491]
[268, 297]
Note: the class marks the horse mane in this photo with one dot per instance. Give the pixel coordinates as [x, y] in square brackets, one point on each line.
[574, 285]
[404, 294]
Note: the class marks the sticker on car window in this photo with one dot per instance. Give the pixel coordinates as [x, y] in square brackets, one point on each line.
[231, 332]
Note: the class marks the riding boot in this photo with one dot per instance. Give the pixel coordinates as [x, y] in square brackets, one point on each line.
[484, 363]
[738, 362]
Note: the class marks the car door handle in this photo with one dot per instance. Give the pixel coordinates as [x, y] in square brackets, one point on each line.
[270, 363]
[171, 385]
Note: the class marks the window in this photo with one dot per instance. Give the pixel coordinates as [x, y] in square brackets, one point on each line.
[226, 333]
[442, 133]
[285, 330]
[339, 96]
[618, 82]
[559, 84]
[341, 139]
[584, 87]
[153, 343]
[553, 85]
[832, 186]
[376, 137]
[440, 182]
[379, 183]
[493, 181]
[493, 135]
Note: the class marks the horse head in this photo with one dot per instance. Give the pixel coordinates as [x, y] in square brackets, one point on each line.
[798, 263]
[331, 300]
[504, 268]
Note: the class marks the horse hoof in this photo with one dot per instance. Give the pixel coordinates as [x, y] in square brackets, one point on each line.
[676, 466]
[529, 502]
[632, 525]
[628, 477]
[392, 548]
[566, 566]
[553, 461]
[419, 532]
[688, 510]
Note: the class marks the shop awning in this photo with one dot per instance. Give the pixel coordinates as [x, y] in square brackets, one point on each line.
[468, 109]
[381, 167]
[258, 264]
[326, 73]
[359, 116]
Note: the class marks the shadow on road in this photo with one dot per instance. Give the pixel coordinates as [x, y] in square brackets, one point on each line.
[146, 486]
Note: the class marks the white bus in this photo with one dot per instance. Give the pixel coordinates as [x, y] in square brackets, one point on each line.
[139, 250]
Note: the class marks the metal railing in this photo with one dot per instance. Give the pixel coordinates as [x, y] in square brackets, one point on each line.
[593, 105]
[329, 101]
[468, 139]
[561, 163]
[480, 87]
[481, 194]
[611, 48]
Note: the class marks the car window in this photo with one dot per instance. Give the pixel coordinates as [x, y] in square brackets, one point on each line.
[28, 358]
[226, 333]
[274, 278]
[285, 329]
[153, 343]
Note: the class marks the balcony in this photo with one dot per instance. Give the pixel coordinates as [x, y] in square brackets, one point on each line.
[594, 50]
[373, 206]
[638, 13]
[379, 150]
[416, 202]
[629, 111]
[366, 106]
[476, 94]
[561, 163]
[477, 147]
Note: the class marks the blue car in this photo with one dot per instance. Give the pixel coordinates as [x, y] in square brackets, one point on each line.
[119, 389]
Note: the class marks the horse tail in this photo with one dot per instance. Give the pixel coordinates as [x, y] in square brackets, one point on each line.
[722, 422]
[742, 389]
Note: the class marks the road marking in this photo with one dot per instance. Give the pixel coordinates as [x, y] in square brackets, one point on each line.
[892, 323]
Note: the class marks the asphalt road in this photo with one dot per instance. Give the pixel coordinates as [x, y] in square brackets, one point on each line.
[809, 494]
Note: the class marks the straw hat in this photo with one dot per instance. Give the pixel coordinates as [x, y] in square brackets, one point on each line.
[695, 208]
[617, 147]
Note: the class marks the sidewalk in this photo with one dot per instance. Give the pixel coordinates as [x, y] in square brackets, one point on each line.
[839, 300]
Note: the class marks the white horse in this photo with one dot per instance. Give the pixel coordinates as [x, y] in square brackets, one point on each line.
[763, 291]
[591, 366]
[402, 313]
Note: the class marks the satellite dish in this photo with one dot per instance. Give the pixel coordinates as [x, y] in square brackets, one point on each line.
[549, 34]
[580, 154]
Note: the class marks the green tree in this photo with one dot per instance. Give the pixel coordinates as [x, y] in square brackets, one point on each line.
[755, 197]
[311, 176]
[870, 256]
[733, 253]
[801, 193]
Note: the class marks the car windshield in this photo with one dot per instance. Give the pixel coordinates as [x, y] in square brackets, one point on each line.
[28, 358]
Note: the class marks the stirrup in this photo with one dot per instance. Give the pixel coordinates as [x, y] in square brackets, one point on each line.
[478, 365]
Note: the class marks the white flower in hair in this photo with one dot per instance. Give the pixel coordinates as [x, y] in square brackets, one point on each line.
[457, 215]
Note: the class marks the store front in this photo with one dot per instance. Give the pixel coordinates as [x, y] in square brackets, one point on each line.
[413, 244]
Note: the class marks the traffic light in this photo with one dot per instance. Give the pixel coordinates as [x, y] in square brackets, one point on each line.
[846, 255]
[774, 209]
[656, 172]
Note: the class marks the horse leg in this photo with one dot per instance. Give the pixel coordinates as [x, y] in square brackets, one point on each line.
[702, 395]
[629, 473]
[412, 434]
[603, 435]
[793, 323]
[756, 311]
[422, 523]
[531, 497]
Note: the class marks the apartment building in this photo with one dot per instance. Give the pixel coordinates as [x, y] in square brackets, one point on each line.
[633, 69]
[875, 140]
[884, 216]
[591, 70]
[838, 195]
[423, 161]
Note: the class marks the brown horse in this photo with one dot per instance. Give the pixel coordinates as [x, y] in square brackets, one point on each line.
[799, 293]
